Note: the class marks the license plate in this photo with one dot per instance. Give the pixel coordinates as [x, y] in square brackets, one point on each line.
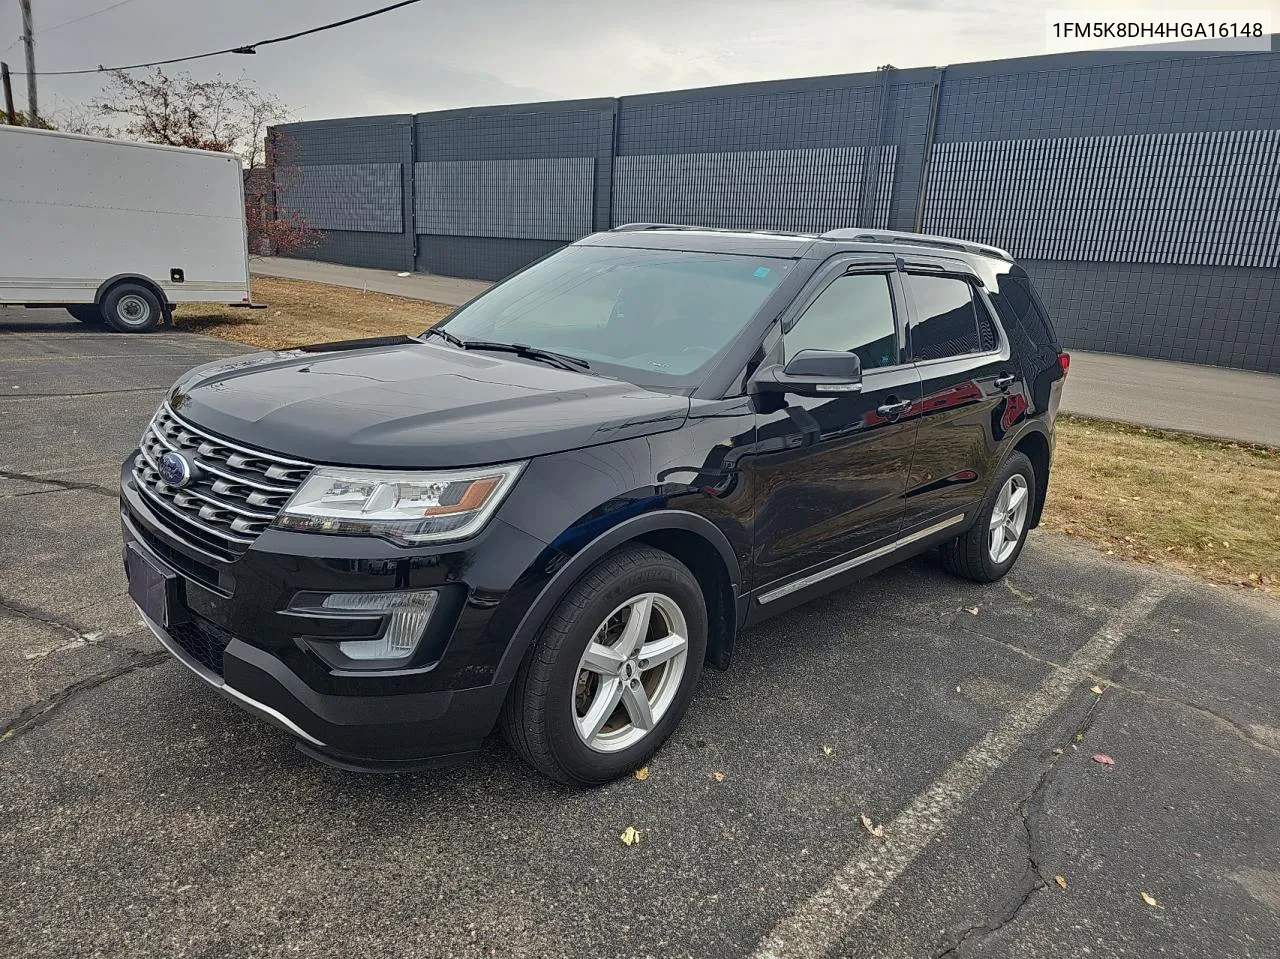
[151, 587]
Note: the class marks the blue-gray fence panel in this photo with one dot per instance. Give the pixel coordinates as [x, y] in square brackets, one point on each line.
[751, 189]
[365, 197]
[547, 199]
[1210, 198]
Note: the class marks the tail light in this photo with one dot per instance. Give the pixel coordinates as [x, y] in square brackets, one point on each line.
[1064, 360]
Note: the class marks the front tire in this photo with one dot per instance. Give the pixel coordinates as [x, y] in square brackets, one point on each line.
[131, 308]
[612, 671]
[990, 547]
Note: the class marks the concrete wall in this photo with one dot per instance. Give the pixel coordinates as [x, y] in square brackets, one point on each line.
[1142, 190]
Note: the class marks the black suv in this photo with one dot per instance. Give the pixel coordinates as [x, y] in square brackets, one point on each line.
[549, 511]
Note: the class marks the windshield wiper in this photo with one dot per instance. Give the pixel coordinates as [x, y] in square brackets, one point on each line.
[447, 337]
[562, 360]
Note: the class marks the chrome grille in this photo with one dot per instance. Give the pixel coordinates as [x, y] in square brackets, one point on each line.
[234, 493]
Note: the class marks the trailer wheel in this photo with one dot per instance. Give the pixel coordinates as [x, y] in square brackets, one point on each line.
[89, 313]
[131, 308]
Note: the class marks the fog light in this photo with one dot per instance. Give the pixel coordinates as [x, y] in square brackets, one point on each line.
[409, 614]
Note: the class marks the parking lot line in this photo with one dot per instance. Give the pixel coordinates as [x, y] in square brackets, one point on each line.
[817, 925]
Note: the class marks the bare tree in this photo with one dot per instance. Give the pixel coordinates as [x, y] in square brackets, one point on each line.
[231, 116]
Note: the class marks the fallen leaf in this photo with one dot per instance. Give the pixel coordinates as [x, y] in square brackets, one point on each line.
[719, 776]
[1095, 689]
[642, 773]
[1068, 530]
[972, 610]
[827, 750]
[1104, 759]
[725, 834]
[630, 836]
[877, 831]
[1149, 899]
[1061, 881]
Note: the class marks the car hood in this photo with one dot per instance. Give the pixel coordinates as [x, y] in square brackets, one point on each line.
[414, 405]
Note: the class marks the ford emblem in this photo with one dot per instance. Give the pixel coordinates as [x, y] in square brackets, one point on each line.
[175, 470]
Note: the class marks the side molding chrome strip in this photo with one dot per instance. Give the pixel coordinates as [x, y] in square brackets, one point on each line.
[799, 584]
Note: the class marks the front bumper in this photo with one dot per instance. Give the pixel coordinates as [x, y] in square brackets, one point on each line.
[235, 624]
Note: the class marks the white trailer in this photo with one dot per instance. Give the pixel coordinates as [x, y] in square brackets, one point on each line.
[118, 231]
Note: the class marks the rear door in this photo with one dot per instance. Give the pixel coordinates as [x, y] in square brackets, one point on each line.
[973, 391]
[831, 471]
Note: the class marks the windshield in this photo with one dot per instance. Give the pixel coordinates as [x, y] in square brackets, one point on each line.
[652, 317]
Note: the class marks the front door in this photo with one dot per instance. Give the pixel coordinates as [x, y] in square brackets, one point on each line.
[831, 471]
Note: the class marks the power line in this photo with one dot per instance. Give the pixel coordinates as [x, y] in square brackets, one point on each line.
[245, 48]
[67, 23]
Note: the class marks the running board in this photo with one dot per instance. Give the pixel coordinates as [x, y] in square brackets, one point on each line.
[807, 581]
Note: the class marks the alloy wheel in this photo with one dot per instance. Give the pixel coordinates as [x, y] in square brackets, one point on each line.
[630, 672]
[1008, 518]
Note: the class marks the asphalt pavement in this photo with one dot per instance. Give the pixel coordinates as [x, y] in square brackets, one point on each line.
[142, 815]
[1209, 400]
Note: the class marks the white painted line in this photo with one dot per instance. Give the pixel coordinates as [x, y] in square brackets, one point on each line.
[820, 923]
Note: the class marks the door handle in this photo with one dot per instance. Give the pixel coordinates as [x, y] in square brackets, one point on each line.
[1005, 381]
[893, 408]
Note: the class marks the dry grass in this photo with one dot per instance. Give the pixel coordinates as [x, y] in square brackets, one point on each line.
[302, 312]
[1202, 506]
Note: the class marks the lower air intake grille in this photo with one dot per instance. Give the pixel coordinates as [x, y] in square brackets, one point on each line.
[203, 642]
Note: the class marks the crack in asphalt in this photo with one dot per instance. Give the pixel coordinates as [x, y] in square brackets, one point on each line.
[23, 611]
[63, 485]
[72, 396]
[1028, 807]
[1231, 724]
[1031, 806]
[41, 712]
[1112, 683]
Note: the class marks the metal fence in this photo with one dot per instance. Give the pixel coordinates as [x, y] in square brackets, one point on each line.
[1142, 190]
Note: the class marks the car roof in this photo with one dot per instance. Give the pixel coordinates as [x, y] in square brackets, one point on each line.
[789, 245]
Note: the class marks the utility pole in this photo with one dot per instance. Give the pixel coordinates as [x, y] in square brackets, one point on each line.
[8, 94]
[29, 40]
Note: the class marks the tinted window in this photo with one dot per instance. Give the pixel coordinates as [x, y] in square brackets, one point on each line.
[650, 317]
[1016, 302]
[853, 314]
[946, 320]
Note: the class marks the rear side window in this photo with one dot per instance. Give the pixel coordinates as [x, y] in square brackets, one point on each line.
[1016, 302]
[949, 320]
[853, 314]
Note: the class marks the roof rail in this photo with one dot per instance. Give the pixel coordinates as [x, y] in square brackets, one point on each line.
[919, 239]
[633, 227]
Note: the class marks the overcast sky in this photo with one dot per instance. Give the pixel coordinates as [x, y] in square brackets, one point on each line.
[439, 54]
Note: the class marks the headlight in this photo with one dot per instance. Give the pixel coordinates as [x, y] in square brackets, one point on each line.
[406, 508]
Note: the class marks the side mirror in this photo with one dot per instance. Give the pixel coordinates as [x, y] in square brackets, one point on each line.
[813, 373]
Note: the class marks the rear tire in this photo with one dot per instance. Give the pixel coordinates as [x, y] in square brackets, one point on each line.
[990, 547]
[589, 704]
[89, 313]
[131, 308]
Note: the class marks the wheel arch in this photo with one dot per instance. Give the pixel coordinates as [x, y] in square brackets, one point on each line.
[692, 539]
[1034, 444]
[110, 283]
